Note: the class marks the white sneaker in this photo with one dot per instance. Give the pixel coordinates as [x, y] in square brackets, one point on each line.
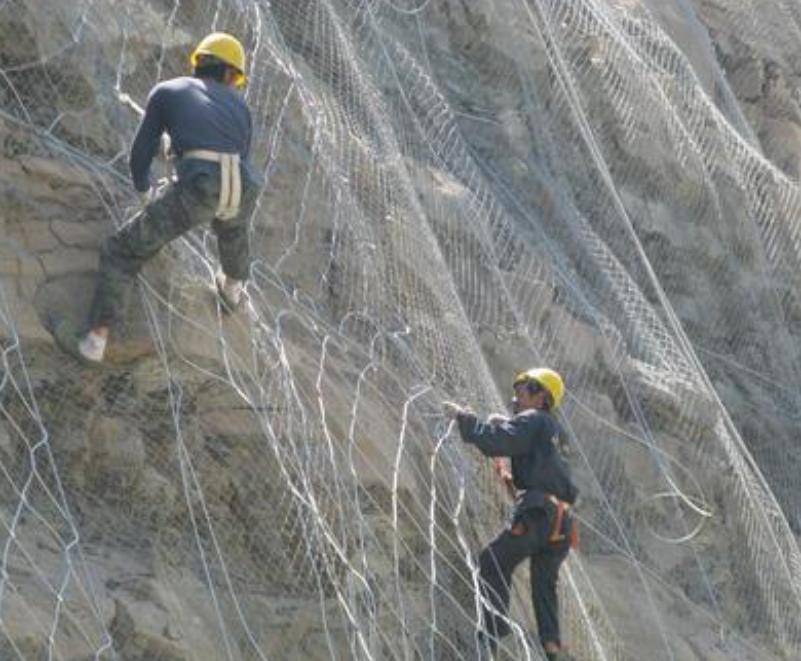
[93, 347]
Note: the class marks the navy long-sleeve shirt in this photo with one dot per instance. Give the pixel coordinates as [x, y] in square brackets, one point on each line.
[527, 438]
[197, 114]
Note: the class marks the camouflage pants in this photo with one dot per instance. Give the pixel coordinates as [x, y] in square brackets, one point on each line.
[187, 203]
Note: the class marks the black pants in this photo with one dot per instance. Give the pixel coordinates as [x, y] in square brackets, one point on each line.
[499, 559]
[180, 206]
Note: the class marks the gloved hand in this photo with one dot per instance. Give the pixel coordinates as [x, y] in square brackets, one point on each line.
[497, 418]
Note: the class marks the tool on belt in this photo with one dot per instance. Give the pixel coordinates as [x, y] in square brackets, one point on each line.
[230, 180]
[555, 535]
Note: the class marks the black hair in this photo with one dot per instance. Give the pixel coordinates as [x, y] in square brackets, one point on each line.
[209, 66]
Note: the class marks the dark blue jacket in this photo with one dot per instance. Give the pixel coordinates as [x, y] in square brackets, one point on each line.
[528, 439]
[197, 114]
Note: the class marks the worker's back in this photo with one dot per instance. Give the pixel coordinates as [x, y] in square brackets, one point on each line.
[543, 469]
[198, 114]
[204, 114]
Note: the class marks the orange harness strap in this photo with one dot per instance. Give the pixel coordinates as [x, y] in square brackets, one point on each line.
[574, 534]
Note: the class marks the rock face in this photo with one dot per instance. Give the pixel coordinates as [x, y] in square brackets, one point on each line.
[453, 191]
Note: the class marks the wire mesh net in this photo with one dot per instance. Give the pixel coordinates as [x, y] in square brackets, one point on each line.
[452, 191]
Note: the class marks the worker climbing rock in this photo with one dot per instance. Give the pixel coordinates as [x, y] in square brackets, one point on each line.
[209, 125]
[542, 527]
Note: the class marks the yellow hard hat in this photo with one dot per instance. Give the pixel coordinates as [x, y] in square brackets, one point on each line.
[225, 48]
[547, 378]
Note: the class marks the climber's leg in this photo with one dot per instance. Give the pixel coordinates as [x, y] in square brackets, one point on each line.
[234, 249]
[179, 207]
[232, 243]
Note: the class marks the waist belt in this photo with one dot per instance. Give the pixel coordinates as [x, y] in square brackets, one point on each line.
[230, 180]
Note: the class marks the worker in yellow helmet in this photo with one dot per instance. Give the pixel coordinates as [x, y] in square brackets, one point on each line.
[542, 528]
[210, 126]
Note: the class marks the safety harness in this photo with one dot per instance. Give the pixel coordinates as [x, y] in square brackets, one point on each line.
[555, 534]
[230, 180]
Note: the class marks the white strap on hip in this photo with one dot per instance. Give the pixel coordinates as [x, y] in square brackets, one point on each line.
[230, 180]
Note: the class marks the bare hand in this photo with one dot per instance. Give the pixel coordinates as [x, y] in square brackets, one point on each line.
[450, 410]
[503, 469]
